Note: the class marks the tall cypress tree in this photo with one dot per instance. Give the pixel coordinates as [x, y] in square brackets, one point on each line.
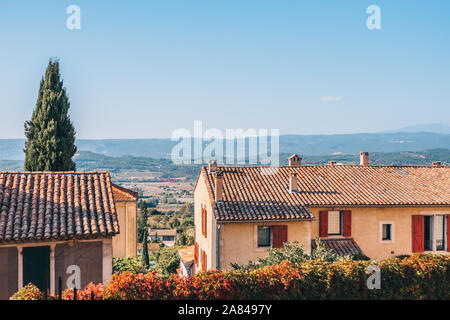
[50, 134]
[142, 221]
[145, 256]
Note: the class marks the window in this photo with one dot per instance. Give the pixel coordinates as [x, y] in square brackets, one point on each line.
[334, 222]
[168, 238]
[428, 233]
[386, 232]
[264, 236]
[440, 233]
[204, 222]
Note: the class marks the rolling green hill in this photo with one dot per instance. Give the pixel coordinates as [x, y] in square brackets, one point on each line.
[11, 149]
[89, 161]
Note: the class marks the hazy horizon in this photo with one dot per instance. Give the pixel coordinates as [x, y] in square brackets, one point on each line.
[396, 130]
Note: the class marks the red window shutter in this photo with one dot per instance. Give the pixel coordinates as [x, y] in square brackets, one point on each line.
[323, 224]
[196, 253]
[206, 223]
[279, 236]
[347, 223]
[203, 222]
[203, 260]
[417, 233]
[448, 233]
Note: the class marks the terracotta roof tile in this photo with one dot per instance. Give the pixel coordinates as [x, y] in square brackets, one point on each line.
[56, 206]
[261, 193]
[123, 194]
[187, 255]
[153, 246]
[340, 247]
[162, 232]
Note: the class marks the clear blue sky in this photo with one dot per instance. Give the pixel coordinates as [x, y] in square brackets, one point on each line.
[141, 69]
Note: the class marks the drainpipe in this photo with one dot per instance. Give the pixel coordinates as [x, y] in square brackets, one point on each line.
[218, 247]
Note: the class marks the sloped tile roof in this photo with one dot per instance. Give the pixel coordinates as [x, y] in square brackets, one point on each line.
[187, 255]
[261, 193]
[341, 247]
[123, 194]
[162, 232]
[153, 246]
[37, 206]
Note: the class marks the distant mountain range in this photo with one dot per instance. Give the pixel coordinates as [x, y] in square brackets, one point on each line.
[431, 127]
[305, 145]
[89, 161]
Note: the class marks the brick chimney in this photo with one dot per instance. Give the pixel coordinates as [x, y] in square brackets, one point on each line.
[295, 161]
[292, 182]
[364, 158]
[212, 166]
[437, 164]
[218, 192]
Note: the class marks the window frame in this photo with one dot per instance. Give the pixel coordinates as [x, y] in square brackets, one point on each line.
[341, 223]
[392, 224]
[433, 214]
[444, 231]
[386, 232]
[270, 236]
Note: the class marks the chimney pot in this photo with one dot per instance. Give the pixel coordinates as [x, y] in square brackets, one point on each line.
[218, 192]
[331, 163]
[437, 164]
[364, 158]
[295, 161]
[292, 182]
[212, 166]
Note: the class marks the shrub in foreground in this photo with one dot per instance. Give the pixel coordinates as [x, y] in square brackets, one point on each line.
[416, 277]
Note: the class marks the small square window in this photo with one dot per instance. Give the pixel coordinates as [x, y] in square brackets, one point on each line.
[387, 232]
[264, 236]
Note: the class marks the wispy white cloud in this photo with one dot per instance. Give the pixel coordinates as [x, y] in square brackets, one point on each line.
[330, 99]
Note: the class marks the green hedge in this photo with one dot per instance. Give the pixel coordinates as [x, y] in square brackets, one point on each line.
[416, 277]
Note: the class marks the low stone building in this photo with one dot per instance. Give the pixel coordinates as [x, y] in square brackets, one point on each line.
[166, 236]
[62, 225]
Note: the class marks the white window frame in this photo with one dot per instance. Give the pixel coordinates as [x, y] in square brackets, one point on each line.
[435, 226]
[392, 223]
[446, 240]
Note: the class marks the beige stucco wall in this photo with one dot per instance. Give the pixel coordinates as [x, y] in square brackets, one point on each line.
[366, 228]
[238, 241]
[208, 244]
[125, 243]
